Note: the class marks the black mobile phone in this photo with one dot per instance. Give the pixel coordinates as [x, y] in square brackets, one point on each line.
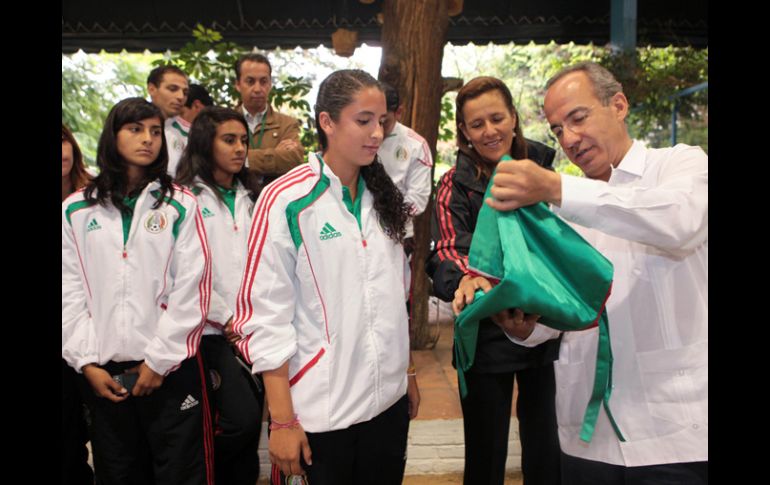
[126, 380]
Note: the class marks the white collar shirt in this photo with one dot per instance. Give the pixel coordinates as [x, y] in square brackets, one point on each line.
[651, 221]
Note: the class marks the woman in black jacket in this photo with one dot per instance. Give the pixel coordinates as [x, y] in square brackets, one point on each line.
[487, 128]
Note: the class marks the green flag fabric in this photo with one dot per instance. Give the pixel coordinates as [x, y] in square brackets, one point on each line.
[541, 266]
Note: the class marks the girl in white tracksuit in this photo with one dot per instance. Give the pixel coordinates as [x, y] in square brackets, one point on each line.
[135, 294]
[213, 166]
[321, 303]
[75, 467]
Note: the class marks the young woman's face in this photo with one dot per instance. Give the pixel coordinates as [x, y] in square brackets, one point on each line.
[230, 145]
[66, 157]
[489, 125]
[356, 136]
[140, 142]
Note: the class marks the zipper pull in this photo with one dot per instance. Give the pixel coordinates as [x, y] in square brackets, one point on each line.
[125, 254]
[235, 224]
[363, 239]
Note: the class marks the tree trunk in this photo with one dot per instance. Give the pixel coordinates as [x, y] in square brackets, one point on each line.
[413, 38]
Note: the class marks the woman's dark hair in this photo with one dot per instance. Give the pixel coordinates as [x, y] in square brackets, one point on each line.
[198, 157]
[335, 93]
[78, 175]
[472, 90]
[112, 181]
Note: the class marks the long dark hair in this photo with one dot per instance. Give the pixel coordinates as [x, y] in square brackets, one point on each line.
[336, 92]
[78, 175]
[112, 182]
[472, 90]
[198, 156]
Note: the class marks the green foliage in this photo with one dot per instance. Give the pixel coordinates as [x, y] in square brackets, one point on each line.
[650, 77]
[445, 145]
[210, 61]
[291, 97]
[525, 70]
[82, 107]
[446, 118]
[91, 85]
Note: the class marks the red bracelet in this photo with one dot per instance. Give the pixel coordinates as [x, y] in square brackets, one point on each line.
[276, 425]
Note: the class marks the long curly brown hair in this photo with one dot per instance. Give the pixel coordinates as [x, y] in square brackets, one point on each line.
[336, 92]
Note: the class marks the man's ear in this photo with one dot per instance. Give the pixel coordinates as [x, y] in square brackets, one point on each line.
[619, 103]
[399, 111]
[152, 89]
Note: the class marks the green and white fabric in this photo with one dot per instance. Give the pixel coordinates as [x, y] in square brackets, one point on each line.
[144, 298]
[541, 266]
[227, 230]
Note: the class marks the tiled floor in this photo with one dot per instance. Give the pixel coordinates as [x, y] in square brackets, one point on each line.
[439, 397]
[454, 479]
[451, 479]
[436, 378]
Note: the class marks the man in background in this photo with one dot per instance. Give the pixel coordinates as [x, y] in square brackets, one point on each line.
[274, 146]
[168, 88]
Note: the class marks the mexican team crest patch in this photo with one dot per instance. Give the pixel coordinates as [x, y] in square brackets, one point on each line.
[401, 154]
[156, 222]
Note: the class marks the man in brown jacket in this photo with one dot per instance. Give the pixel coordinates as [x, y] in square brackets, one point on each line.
[274, 146]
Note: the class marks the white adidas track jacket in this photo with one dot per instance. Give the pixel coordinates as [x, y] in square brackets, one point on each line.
[407, 159]
[327, 297]
[227, 237]
[145, 300]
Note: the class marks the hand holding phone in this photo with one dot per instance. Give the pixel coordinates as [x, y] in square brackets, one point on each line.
[103, 384]
[126, 380]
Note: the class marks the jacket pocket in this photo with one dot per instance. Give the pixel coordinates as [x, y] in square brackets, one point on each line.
[675, 384]
[572, 393]
[305, 368]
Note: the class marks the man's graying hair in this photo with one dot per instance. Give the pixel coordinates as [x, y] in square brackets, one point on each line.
[604, 83]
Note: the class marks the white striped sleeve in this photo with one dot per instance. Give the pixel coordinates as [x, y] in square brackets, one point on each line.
[181, 325]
